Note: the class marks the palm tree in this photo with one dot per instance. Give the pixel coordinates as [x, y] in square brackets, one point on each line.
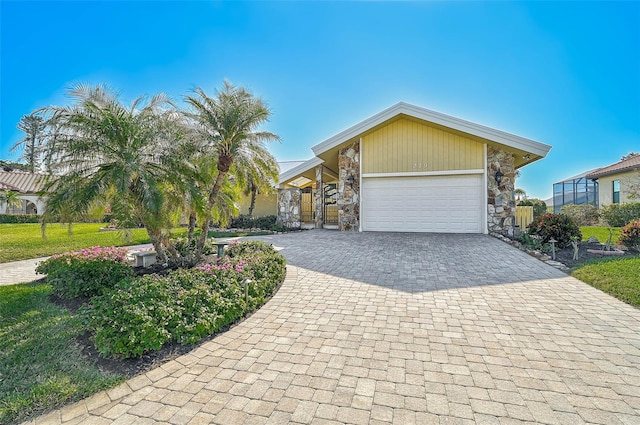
[34, 127]
[520, 194]
[228, 126]
[10, 198]
[114, 152]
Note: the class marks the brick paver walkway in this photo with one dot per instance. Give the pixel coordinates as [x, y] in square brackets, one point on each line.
[387, 328]
[20, 271]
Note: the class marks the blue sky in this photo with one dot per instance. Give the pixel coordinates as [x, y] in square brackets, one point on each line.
[566, 74]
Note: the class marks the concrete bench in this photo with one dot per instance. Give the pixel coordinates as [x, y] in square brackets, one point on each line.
[144, 258]
[220, 246]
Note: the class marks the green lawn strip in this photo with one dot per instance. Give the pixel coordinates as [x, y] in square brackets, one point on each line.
[41, 365]
[618, 277]
[600, 232]
[24, 241]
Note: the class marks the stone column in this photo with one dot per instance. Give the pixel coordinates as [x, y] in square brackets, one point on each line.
[501, 207]
[289, 208]
[349, 188]
[319, 197]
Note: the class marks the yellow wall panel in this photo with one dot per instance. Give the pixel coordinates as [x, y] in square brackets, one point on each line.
[265, 205]
[406, 145]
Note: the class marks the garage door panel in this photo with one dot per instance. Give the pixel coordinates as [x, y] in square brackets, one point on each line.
[450, 204]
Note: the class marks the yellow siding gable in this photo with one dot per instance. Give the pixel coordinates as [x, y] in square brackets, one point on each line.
[406, 145]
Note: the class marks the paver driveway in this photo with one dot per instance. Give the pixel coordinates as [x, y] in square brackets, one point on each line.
[401, 328]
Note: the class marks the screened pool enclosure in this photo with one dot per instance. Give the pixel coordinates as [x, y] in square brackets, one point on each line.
[576, 190]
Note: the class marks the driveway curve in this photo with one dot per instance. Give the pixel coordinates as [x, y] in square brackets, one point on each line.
[375, 328]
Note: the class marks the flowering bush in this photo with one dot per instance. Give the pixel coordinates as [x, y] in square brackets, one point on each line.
[555, 226]
[86, 272]
[630, 236]
[142, 314]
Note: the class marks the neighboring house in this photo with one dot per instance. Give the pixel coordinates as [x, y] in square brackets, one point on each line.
[616, 181]
[577, 190]
[27, 185]
[409, 169]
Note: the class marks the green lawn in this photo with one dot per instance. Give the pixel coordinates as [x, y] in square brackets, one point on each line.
[600, 232]
[37, 373]
[615, 276]
[23, 241]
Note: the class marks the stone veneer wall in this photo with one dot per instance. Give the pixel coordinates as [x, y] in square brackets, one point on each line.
[501, 207]
[319, 193]
[349, 197]
[289, 208]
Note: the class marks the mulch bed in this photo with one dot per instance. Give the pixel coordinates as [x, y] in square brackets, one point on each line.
[565, 256]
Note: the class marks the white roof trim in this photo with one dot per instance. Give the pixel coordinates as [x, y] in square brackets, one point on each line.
[295, 171]
[492, 134]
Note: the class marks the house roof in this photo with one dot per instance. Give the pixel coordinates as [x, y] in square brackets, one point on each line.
[5, 186]
[287, 165]
[299, 169]
[517, 142]
[23, 181]
[622, 166]
[527, 150]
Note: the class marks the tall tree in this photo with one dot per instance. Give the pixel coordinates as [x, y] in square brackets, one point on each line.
[34, 128]
[10, 198]
[114, 152]
[256, 178]
[228, 126]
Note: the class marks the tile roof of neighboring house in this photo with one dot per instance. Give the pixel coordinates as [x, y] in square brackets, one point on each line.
[5, 186]
[23, 182]
[628, 164]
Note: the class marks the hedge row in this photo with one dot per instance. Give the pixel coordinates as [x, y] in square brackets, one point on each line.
[19, 218]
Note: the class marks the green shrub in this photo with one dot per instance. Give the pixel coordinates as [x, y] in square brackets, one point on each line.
[141, 315]
[582, 215]
[630, 235]
[539, 206]
[183, 247]
[555, 226]
[246, 222]
[87, 272]
[618, 215]
[247, 248]
[533, 242]
[19, 218]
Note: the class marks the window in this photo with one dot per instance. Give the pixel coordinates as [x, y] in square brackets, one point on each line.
[616, 191]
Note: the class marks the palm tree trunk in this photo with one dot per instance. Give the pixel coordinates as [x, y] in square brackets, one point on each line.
[254, 192]
[213, 194]
[192, 225]
[156, 241]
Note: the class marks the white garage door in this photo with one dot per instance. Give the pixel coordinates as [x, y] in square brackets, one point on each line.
[447, 204]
